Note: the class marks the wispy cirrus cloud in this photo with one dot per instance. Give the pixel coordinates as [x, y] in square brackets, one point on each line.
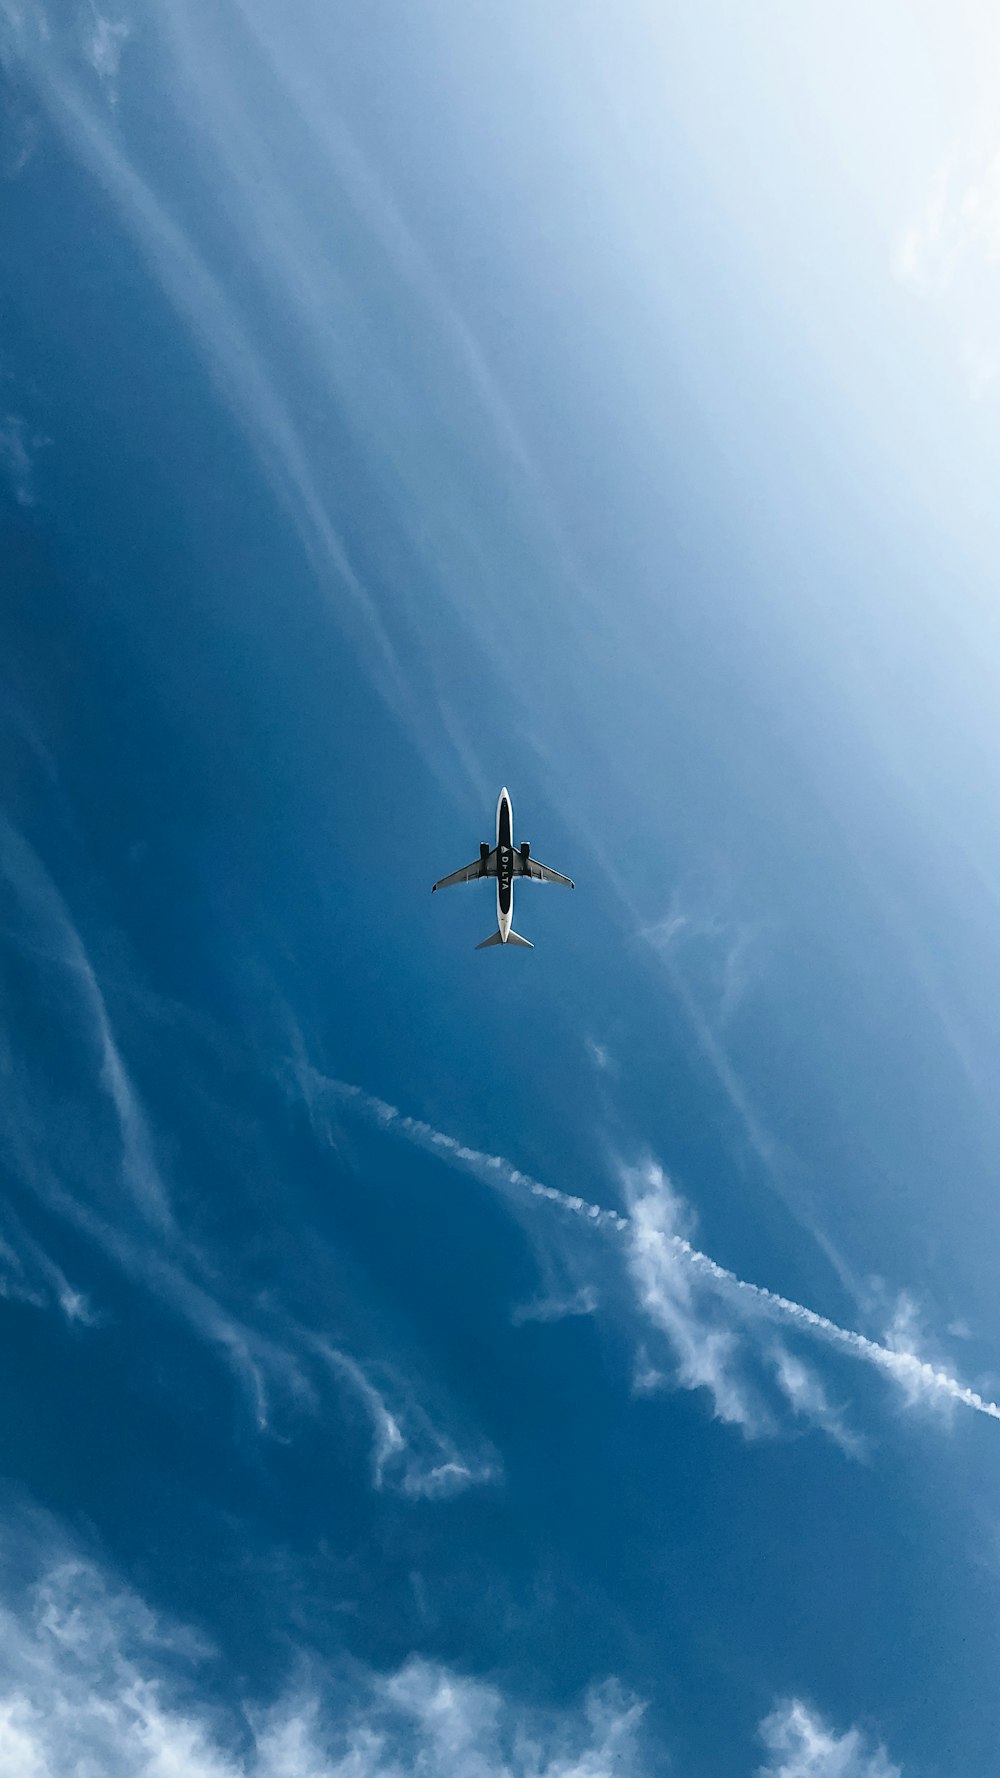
[948, 253]
[236, 361]
[662, 1245]
[409, 1453]
[104, 39]
[18, 447]
[92, 1165]
[806, 1394]
[702, 1340]
[306, 208]
[30, 1275]
[735, 1360]
[49, 926]
[92, 1680]
[950, 256]
[712, 958]
[801, 1745]
[723, 954]
[601, 1056]
[585, 1301]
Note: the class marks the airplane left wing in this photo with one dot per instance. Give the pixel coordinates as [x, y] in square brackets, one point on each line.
[470, 873]
[533, 867]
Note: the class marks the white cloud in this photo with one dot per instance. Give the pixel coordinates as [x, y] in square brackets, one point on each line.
[93, 1683]
[647, 1378]
[409, 1453]
[584, 1301]
[292, 182]
[280, 1363]
[104, 38]
[805, 1392]
[237, 364]
[909, 1372]
[47, 917]
[720, 954]
[601, 1056]
[712, 960]
[951, 253]
[17, 458]
[32, 1276]
[19, 129]
[709, 1347]
[801, 1745]
[919, 1360]
[704, 1346]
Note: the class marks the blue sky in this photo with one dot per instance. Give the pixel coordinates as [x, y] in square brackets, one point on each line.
[421, 1362]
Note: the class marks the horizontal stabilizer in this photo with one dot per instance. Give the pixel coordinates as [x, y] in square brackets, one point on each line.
[513, 938]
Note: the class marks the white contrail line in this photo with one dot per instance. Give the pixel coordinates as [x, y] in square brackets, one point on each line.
[491, 1168]
[904, 1367]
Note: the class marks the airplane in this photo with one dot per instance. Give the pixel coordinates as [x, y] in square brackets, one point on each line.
[506, 862]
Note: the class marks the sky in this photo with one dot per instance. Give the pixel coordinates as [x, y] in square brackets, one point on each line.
[417, 1364]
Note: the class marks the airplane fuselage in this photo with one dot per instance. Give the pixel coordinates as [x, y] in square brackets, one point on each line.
[505, 865]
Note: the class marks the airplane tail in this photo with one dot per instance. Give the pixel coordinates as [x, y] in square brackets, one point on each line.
[513, 938]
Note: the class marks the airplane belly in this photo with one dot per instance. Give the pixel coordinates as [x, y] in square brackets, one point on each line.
[505, 863]
[505, 881]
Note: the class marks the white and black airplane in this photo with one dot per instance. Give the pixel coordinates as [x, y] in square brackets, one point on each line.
[507, 863]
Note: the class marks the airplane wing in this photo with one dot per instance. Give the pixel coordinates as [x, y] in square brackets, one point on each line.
[532, 867]
[470, 873]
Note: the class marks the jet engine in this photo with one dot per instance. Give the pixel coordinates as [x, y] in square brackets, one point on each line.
[484, 851]
[525, 851]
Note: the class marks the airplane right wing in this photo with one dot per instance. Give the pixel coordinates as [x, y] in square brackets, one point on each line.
[542, 873]
[470, 873]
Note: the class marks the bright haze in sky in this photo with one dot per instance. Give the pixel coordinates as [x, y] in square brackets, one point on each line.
[423, 1364]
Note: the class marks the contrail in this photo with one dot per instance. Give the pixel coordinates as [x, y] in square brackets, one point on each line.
[492, 1169]
[905, 1367]
[495, 1171]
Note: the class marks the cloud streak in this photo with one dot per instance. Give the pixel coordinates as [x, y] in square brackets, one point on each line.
[237, 365]
[949, 255]
[277, 1356]
[16, 458]
[46, 915]
[916, 1376]
[584, 1301]
[409, 1454]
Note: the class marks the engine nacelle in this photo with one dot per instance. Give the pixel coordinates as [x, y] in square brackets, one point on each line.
[525, 851]
[484, 851]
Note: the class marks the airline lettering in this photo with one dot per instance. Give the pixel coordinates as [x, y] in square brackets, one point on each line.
[505, 875]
